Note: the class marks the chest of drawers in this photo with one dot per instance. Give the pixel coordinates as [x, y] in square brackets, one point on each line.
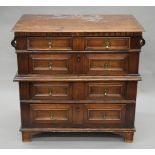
[78, 73]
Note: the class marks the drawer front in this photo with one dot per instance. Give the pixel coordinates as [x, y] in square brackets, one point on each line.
[107, 64]
[49, 43]
[104, 113]
[77, 90]
[89, 64]
[106, 90]
[51, 90]
[107, 43]
[50, 63]
[82, 115]
[50, 113]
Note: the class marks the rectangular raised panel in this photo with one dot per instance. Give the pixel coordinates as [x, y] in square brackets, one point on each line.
[49, 43]
[106, 90]
[107, 43]
[104, 113]
[107, 64]
[51, 113]
[50, 63]
[51, 90]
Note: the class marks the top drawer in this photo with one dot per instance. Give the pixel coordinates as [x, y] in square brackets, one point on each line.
[107, 43]
[49, 43]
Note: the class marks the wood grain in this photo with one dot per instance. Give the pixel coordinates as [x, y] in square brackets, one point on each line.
[34, 77]
[77, 23]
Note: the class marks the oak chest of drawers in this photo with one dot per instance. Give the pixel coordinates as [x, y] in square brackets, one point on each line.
[78, 73]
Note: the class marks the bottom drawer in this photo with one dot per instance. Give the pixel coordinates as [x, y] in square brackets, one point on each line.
[72, 115]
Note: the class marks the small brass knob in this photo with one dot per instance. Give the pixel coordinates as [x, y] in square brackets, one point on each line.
[50, 65]
[50, 44]
[50, 92]
[106, 44]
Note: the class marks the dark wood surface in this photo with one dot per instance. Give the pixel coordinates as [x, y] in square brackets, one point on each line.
[78, 73]
[77, 23]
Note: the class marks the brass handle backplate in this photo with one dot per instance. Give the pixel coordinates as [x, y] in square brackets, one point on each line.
[106, 44]
[50, 92]
[50, 44]
[104, 115]
[51, 115]
[105, 92]
[50, 65]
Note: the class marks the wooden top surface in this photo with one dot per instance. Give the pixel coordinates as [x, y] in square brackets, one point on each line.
[77, 23]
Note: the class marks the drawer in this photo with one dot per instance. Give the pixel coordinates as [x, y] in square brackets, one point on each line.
[86, 64]
[50, 113]
[51, 90]
[49, 43]
[50, 63]
[106, 90]
[77, 90]
[77, 114]
[107, 43]
[107, 64]
[104, 113]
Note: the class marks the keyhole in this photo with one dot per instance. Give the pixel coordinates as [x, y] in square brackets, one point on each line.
[78, 58]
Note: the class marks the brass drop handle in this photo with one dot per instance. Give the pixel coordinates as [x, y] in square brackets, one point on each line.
[50, 92]
[106, 44]
[105, 92]
[51, 115]
[50, 65]
[50, 44]
[106, 65]
[104, 115]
